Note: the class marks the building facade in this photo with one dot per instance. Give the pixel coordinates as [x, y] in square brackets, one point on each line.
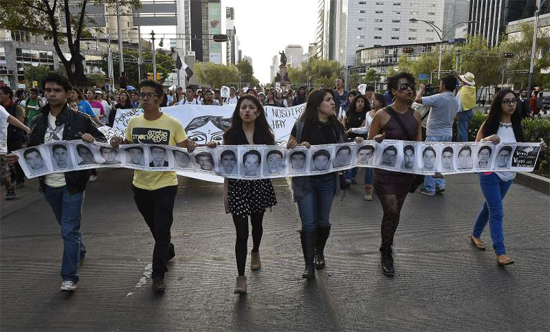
[295, 55]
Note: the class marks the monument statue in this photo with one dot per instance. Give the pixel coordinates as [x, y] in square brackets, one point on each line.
[283, 58]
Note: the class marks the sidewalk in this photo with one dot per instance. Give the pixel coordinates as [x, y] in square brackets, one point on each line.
[441, 282]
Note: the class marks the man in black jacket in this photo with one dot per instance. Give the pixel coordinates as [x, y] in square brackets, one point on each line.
[523, 104]
[64, 191]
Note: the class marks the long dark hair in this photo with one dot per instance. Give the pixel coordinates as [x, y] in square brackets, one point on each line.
[381, 99]
[495, 116]
[310, 117]
[128, 103]
[261, 126]
[352, 107]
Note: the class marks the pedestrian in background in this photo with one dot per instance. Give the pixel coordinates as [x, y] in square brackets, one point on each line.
[16, 136]
[354, 118]
[314, 194]
[396, 121]
[523, 104]
[32, 106]
[301, 96]
[466, 97]
[340, 96]
[503, 125]
[123, 103]
[85, 107]
[248, 199]
[439, 127]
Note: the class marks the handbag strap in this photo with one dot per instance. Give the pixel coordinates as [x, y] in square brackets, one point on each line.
[299, 129]
[394, 115]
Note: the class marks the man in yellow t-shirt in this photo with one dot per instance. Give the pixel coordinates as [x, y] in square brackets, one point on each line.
[155, 192]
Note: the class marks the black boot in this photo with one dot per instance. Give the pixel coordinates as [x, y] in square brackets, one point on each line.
[308, 247]
[387, 260]
[322, 237]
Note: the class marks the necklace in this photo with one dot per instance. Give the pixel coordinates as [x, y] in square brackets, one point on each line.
[505, 125]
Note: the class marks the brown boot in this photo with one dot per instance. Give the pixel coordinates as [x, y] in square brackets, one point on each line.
[255, 263]
[240, 288]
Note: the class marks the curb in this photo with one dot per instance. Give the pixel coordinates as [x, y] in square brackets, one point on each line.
[533, 181]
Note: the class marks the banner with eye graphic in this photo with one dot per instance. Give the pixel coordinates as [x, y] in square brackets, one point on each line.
[251, 162]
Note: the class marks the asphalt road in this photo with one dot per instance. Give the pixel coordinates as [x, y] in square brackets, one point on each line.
[441, 281]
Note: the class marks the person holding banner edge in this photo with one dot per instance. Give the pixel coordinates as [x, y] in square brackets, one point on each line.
[155, 192]
[503, 124]
[248, 197]
[396, 121]
[317, 125]
[64, 191]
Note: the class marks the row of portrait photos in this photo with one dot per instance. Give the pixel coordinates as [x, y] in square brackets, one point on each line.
[261, 161]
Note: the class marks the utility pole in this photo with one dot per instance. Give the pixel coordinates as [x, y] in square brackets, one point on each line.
[140, 60]
[533, 49]
[119, 29]
[154, 56]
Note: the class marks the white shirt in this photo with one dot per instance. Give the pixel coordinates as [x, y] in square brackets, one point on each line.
[4, 115]
[54, 133]
[231, 101]
[506, 134]
[184, 101]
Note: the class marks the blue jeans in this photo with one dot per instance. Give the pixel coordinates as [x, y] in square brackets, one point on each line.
[352, 173]
[68, 211]
[431, 183]
[315, 207]
[494, 190]
[462, 125]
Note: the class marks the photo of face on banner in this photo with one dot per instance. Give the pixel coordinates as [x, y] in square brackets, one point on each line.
[483, 157]
[429, 156]
[251, 163]
[343, 157]
[182, 160]
[34, 160]
[228, 162]
[135, 156]
[320, 159]
[297, 161]
[389, 157]
[365, 154]
[503, 157]
[204, 129]
[158, 156]
[464, 157]
[447, 159]
[61, 158]
[409, 157]
[274, 162]
[204, 161]
[109, 155]
[86, 154]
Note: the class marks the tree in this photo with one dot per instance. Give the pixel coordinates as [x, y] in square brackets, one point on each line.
[246, 73]
[354, 80]
[63, 21]
[316, 72]
[165, 65]
[481, 60]
[371, 77]
[96, 79]
[36, 74]
[521, 60]
[216, 75]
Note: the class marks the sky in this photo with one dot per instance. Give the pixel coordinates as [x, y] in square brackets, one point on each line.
[265, 27]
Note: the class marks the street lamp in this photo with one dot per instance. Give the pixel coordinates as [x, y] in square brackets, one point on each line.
[441, 36]
[534, 48]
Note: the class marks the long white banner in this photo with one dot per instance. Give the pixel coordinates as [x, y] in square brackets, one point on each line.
[271, 161]
[207, 123]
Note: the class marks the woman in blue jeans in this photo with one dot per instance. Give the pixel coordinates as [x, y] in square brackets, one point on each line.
[314, 194]
[503, 125]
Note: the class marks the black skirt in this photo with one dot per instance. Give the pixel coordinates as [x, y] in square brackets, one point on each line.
[250, 196]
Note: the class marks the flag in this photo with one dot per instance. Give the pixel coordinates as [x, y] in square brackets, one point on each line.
[182, 65]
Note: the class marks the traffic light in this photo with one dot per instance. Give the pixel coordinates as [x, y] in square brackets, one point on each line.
[159, 77]
[150, 76]
[408, 49]
[508, 55]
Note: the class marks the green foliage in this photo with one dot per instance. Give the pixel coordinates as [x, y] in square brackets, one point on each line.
[96, 79]
[425, 63]
[371, 77]
[247, 73]
[165, 65]
[36, 74]
[316, 73]
[353, 81]
[486, 66]
[216, 75]
[521, 49]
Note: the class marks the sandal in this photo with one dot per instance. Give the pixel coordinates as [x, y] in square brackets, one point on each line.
[504, 260]
[477, 243]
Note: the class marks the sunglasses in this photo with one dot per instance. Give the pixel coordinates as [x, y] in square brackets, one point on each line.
[405, 86]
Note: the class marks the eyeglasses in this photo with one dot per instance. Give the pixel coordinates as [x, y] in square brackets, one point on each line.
[512, 101]
[148, 95]
[405, 86]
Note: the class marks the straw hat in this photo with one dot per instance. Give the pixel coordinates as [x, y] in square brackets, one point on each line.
[468, 78]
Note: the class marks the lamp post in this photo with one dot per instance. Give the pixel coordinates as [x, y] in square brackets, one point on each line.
[119, 28]
[534, 48]
[154, 55]
[441, 34]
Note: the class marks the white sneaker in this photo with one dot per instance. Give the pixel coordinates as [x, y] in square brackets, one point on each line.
[93, 178]
[68, 286]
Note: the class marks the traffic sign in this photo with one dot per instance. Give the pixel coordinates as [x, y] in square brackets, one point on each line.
[423, 77]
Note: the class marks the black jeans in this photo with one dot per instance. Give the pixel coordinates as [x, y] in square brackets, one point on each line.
[17, 174]
[241, 226]
[157, 207]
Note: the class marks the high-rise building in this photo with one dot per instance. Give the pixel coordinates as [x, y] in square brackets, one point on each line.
[492, 16]
[207, 20]
[295, 55]
[274, 67]
[233, 41]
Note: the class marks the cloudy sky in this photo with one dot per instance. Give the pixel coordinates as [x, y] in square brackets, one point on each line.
[265, 27]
